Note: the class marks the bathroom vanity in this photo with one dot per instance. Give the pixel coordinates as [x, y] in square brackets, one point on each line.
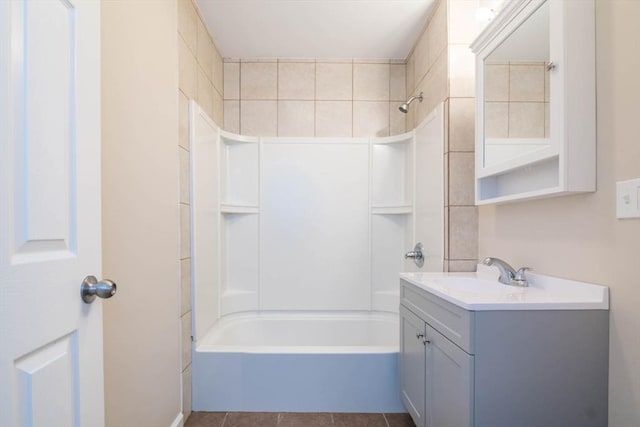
[475, 352]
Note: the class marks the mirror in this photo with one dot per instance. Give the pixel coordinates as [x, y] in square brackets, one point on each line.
[516, 103]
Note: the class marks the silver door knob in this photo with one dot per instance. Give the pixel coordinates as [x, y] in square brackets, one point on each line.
[416, 254]
[91, 288]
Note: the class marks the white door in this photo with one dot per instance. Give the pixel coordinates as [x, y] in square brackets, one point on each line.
[50, 341]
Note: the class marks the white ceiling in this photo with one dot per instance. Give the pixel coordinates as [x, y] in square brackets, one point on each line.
[315, 28]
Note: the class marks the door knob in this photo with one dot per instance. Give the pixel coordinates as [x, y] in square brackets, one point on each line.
[91, 288]
[416, 254]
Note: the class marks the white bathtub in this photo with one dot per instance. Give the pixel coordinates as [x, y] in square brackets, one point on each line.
[299, 362]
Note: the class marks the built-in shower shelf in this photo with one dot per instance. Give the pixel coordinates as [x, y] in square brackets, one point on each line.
[239, 209]
[392, 210]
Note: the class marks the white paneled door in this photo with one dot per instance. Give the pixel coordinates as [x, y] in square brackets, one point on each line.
[50, 340]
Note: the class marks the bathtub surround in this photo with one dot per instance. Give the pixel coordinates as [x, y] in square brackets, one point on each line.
[579, 237]
[201, 79]
[314, 97]
[140, 235]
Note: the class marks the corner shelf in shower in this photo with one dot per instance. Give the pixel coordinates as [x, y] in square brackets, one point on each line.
[392, 210]
[239, 209]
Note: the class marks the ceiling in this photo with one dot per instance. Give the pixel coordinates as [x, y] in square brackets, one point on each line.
[315, 28]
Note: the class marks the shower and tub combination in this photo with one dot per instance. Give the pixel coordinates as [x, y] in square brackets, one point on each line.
[296, 248]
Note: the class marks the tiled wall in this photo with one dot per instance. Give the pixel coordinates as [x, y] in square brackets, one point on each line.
[517, 100]
[298, 97]
[201, 79]
[442, 66]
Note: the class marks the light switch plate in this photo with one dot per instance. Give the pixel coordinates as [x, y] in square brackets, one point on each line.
[628, 199]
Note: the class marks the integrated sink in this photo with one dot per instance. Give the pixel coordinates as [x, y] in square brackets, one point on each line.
[482, 291]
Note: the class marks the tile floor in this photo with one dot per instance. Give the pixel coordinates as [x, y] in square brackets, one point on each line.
[288, 419]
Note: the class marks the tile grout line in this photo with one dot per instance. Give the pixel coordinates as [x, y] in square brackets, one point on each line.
[224, 420]
[385, 419]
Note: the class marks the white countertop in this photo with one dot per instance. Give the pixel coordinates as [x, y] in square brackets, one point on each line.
[482, 291]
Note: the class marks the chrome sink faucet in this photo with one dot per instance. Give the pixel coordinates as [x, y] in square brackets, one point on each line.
[508, 275]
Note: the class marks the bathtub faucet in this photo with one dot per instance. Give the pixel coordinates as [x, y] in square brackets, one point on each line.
[508, 275]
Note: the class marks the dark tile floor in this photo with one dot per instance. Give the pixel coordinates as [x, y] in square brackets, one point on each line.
[288, 419]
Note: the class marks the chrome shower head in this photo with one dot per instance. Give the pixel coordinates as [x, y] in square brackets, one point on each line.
[405, 107]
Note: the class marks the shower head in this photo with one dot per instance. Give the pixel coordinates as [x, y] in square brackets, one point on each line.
[405, 107]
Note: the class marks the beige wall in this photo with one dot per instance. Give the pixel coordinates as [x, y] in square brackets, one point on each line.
[200, 79]
[307, 97]
[578, 237]
[139, 192]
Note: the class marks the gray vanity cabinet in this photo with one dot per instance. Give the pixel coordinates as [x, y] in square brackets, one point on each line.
[413, 364]
[448, 382]
[436, 376]
[501, 368]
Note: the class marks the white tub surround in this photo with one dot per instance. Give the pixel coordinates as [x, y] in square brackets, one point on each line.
[310, 223]
[299, 362]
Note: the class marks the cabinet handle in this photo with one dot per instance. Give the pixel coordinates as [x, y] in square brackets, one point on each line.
[422, 338]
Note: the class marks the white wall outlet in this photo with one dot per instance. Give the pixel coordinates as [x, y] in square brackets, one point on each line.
[628, 199]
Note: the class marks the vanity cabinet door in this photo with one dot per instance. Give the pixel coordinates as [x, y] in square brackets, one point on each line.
[412, 365]
[449, 383]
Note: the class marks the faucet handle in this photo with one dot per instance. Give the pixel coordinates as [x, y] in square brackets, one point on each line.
[521, 273]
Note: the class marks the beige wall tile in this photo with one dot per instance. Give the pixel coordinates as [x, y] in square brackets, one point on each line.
[296, 80]
[462, 116]
[446, 179]
[218, 108]
[205, 50]
[398, 82]
[218, 71]
[333, 118]
[547, 120]
[183, 120]
[410, 75]
[526, 83]
[526, 119]
[185, 285]
[296, 118]
[231, 80]
[184, 175]
[258, 80]
[463, 266]
[185, 232]
[447, 233]
[186, 391]
[496, 82]
[462, 71]
[397, 120]
[334, 81]
[461, 179]
[370, 118]
[371, 61]
[463, 232]
[437, 32]
[259, 118]
[435, 86]
[371, 82]
[188, 70]
[232, 116]
[421, 58]
[205, 93]
[186, 339]
[496, 118]
[547, 86]
[187, 24]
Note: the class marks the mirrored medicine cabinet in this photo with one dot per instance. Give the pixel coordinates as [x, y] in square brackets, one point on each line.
[535, 101]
